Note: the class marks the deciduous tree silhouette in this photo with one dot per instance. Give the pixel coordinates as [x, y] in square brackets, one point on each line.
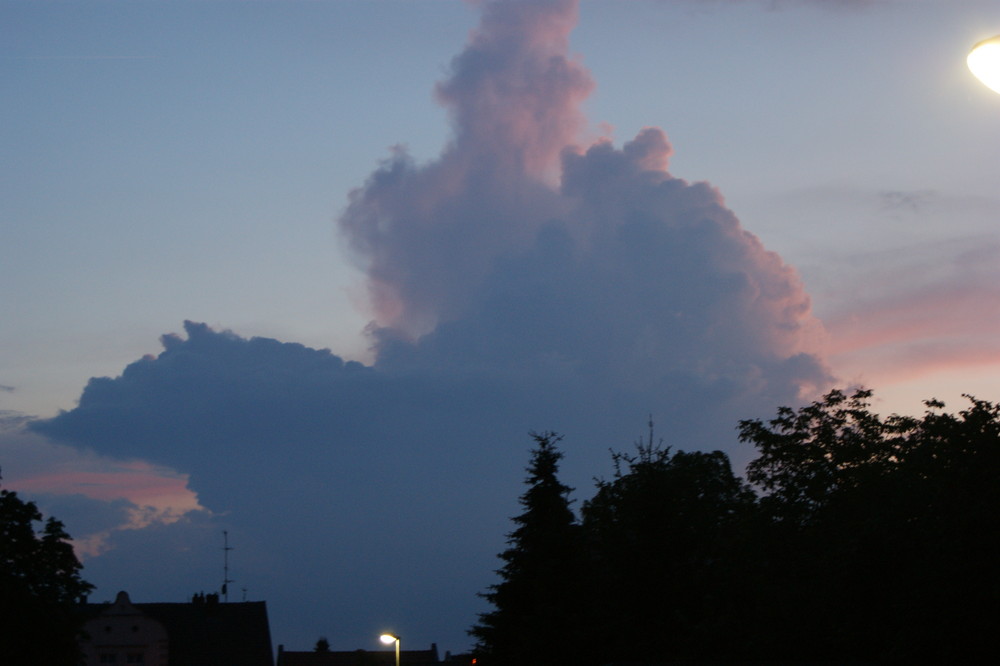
[40, 587]
[881, 532]
[663, 537]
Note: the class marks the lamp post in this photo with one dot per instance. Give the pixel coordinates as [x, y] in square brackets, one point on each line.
[391, 638]
[984, 61]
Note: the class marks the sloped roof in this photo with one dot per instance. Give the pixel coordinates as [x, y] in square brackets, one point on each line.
[211, 633]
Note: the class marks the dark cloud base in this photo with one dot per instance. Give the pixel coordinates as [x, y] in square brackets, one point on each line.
[342, 483]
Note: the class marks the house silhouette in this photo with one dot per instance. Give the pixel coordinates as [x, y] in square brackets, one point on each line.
[203, 632]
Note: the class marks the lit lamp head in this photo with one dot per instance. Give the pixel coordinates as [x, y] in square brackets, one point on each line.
[984, 62]
[388, 639]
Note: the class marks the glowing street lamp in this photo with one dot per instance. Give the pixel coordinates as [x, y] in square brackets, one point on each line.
[389, 639]
[984, 61]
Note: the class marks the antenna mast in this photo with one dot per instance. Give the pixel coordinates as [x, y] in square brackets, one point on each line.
[225, 566]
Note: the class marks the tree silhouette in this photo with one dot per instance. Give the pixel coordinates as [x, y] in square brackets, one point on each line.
[881, 533]
[874, 540]
[663, 537]
[40, 587]
[536, 598]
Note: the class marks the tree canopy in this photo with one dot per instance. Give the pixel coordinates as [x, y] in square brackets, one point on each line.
[895, 525]
[40, 586]
[858, 538]
[660, 536]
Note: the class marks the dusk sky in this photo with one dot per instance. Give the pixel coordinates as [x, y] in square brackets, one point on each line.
[311, 271]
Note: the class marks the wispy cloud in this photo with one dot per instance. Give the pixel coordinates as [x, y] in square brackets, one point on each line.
[915, 328]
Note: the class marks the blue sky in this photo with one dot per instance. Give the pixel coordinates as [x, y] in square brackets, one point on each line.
[193, 161]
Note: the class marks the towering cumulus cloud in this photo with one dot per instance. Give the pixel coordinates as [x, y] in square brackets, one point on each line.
[429, 235]
[528, 278]
[519, 247]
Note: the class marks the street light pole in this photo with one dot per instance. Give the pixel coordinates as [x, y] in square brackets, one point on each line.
[391, 638]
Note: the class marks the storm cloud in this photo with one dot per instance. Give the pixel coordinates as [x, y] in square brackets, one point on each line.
[522, 247]
[533, 276]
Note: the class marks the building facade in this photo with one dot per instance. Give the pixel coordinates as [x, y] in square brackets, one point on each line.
[204, 632]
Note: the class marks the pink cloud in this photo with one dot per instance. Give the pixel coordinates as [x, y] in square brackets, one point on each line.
[926, 329]
[139, 483]
[470, 256]
[513, 96]
[152, 494]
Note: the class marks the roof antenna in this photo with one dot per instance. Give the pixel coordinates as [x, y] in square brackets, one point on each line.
[225, 566]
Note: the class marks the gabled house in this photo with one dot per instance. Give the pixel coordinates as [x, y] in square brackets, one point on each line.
[203, 632]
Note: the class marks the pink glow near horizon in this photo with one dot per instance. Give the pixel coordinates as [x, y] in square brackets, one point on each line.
[926, 331]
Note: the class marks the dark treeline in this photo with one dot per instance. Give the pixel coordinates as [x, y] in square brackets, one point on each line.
[862, 538]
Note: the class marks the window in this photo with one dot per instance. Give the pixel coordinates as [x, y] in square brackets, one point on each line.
[135, 658]
[108, 658]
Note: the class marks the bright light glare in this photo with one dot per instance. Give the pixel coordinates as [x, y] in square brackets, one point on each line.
[984, 61]
[388, 639]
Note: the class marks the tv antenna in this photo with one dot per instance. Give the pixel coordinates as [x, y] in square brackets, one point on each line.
[225, 566]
